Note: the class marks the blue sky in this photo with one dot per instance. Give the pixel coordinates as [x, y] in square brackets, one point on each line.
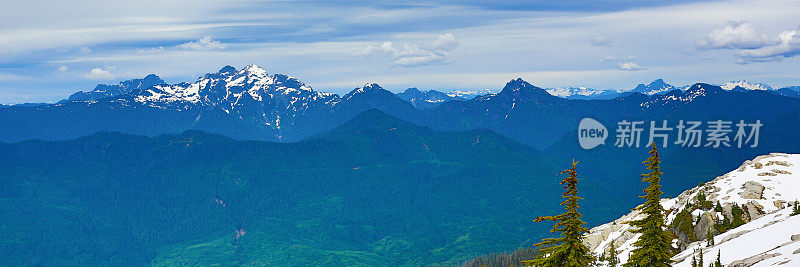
[50, 49]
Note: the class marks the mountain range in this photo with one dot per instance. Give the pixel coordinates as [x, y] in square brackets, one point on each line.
[251, 104]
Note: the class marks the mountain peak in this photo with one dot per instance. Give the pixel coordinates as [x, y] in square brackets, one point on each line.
[657, 86]
[227, 69]
[411, 90]
[152, 78]
[371, 123]
[255, 70]
[518, 87]
[657, 82]
[372, 86]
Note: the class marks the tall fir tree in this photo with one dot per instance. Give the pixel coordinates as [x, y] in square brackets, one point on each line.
[709, 237]
[700, 259]
[567, 250]
[653, 249]
[613, 259]
[718, 263]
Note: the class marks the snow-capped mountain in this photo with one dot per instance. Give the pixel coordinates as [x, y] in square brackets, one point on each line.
[467, 95]
[250, 93]
[745, 85]
[583, 93]
[425, 99]
[655, 87]
[675, 97]
[758, 193]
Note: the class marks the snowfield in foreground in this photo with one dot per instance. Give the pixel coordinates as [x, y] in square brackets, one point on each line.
[763, 188]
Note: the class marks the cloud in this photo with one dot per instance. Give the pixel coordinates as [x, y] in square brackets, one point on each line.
[205, 43]
[100, 74]
[414, 55]
[615, 59]
[789, 46]
[601, 40]
[158, 49]
[736, 35]
[85, 50]
[630, 66]
[61, 70]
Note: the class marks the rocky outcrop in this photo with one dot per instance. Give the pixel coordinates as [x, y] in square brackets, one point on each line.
[752, 190]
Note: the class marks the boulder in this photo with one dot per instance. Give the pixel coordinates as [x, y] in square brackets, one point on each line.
[705, 224]
[753, 260]
[753, 210]
[752, 190]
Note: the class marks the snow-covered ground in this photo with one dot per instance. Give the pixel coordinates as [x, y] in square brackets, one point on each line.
[763, 187]
[771, 240]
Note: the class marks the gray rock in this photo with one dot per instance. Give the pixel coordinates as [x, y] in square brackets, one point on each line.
[753, 260]
[795, 237]
[752, 190]
[753, 210]
[705, 224]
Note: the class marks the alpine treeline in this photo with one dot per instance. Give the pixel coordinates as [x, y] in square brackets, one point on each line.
[653, 248]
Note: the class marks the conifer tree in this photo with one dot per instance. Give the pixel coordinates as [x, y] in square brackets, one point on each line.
[796, 209]
[653, 249]
[709, 238]
[700, 258]
[718, 263]
[613, 259]
[567, 250]
[694, 261]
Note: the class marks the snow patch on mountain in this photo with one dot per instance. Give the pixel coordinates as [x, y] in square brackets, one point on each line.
[468, 94]
[746, 85]
[764, 187]
[653, 88]
[567, 92]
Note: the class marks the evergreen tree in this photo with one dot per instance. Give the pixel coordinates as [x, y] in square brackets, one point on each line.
[567, 250]
[718, 207]
[718, 263]
[700, 258]
[613, 259]
[709, 238]
[653, 249]
[694, 261]
[796, 209]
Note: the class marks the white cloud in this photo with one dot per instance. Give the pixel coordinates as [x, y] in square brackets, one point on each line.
[630, 66]
[601, 40]
[614, 58]
[736, 35]
[789, 46]
[414, 55]
[205, 43]
[151, 50]
[84, 50]
[61, 70]
[100, 74]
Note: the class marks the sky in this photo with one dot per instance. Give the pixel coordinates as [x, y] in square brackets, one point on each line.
[50, 49]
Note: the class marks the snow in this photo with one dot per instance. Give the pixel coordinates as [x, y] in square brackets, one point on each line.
[778, 173]
[468, 94]
[746, 85]
[769, 234]
[573, 91]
